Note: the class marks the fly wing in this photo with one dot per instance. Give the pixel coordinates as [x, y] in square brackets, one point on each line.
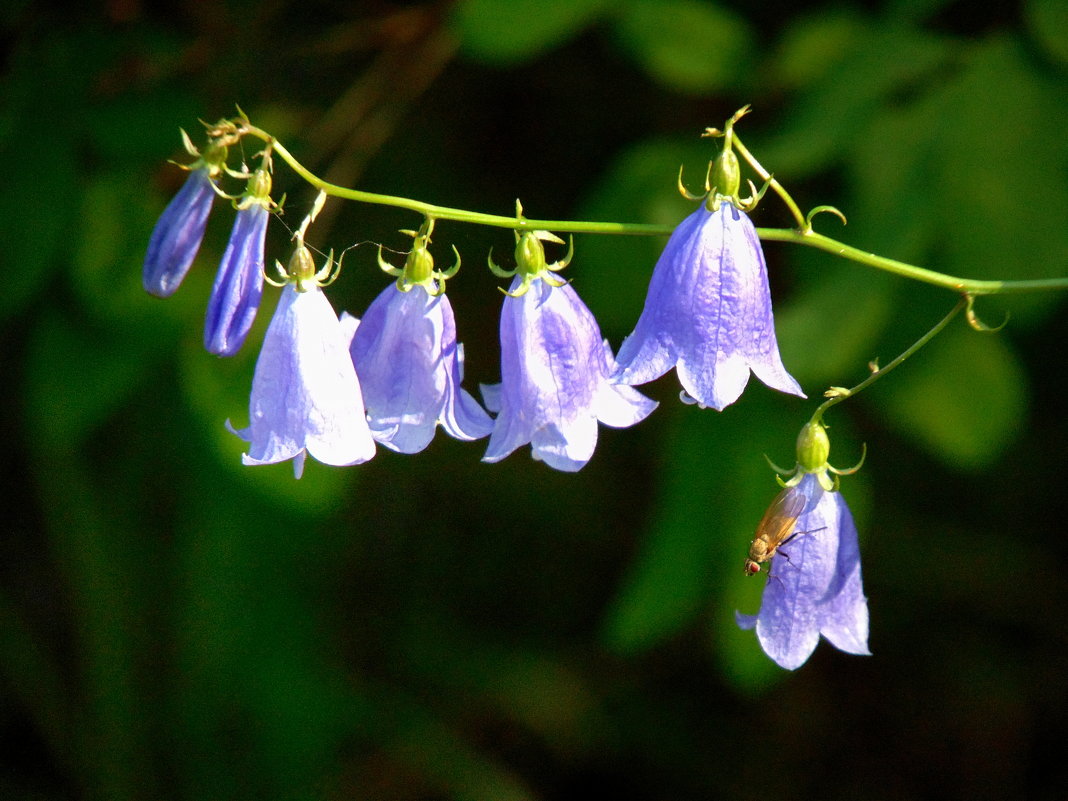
[781, 516]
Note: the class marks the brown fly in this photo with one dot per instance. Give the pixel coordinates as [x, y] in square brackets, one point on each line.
[775, 528]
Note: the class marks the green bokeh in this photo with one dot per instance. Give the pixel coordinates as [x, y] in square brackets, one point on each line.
[174, 625]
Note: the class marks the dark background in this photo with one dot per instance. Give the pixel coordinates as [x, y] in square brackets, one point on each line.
[176, 626]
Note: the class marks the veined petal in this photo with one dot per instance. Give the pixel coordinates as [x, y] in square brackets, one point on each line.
[844, 608]
[708, 312]
[305, 393]
[463, 418]
[554, 387]
[814, 586]
[618, 405]
[762, 347]
[235, 295]
[177, 236]
[566, 447]
[405, 352]
[652, 349]
[491, 396]
[788, 625]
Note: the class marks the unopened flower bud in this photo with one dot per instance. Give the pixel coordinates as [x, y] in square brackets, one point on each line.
[813, 447]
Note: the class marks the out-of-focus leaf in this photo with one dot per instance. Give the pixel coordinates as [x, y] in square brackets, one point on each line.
[825, 119]
[32, 671]
[710, 502]
[75, 380]
[250, 649]
[107, 260]
[454, 767]
[688, 45]
[136, 128]
[827, 332]
[1048, 21]
[1002, 155]
[508, 32]
[812, 46]
[43, 101]
[536, 690]
[961, 399]
[892, 164]
[37, 202]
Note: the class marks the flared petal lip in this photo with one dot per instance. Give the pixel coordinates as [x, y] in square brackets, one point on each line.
[410, 365]
[708, 313]
[305, 393]
[555, 386]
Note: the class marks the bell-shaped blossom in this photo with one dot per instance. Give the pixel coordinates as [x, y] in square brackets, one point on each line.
[814, 586]
[555, 386]
[708, 312]
[178, 233]
[410, 367]
[306, 397]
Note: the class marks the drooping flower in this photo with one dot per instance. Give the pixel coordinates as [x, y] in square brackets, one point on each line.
[708, 309]
[180, 229]
[409, 363]
[708, 312]
[555, 369]
[235, 295]
[814, 586]
[306, 398]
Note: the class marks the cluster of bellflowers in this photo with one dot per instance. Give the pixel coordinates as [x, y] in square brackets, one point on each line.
[337, 388]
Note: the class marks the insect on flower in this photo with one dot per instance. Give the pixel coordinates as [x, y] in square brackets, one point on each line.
[775, 528]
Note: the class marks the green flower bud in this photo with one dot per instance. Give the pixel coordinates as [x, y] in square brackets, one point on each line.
[419, 265]
[726, 175]
[259, 185]
[529, 254]
[813, 447]
[214, 157]
[301, 268]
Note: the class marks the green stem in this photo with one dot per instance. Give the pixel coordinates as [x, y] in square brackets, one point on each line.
[963, 285]
[801, 236]
[780, 190]
[841, 395]
[432, 211]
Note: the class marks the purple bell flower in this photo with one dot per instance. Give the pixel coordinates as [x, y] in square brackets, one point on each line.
[814, 586]
[555, 386]
[708, 313]
[178, 233]
[306, 397]
[410, 367]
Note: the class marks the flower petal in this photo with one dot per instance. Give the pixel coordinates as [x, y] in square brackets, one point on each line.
[554, 379]
[235, 295]
[845, 609]
[788, 624]
[618, 405]
[405, 352]
[708, 312]
[305, 394]
[177, 236]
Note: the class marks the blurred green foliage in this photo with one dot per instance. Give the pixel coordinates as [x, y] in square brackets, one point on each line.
[173, 625]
